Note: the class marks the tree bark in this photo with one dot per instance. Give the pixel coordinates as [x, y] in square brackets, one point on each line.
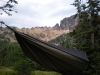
[92, 40]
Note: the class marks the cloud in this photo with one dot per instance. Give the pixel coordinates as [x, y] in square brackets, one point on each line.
[32, 13]
[63, 13]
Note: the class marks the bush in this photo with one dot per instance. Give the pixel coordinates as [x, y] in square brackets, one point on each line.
[23, 67]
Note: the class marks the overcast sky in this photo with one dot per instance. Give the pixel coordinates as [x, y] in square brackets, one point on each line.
[38, 13]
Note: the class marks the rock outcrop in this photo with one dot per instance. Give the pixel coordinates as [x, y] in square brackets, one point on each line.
[68, 23]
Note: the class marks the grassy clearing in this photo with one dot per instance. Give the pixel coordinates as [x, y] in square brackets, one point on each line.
[10, 71]
[7, 71]
[44, 73]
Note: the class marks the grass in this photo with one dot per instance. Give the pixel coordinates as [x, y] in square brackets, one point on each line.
[10, 71]
[44, 73]
[7, 71]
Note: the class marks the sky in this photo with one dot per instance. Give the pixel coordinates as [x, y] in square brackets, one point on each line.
[38, 13]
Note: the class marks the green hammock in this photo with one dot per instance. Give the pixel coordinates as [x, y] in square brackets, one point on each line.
[52, 57]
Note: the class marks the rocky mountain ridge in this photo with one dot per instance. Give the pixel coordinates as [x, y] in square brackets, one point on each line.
[43, 33]
[68, 23]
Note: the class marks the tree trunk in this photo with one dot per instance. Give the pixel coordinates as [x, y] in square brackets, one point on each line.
[92, 40]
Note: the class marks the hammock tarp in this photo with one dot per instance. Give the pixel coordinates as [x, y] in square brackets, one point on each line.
[52, 57]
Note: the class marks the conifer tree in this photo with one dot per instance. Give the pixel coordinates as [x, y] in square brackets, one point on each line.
[87, 32]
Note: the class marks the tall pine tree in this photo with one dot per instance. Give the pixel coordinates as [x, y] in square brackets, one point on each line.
[87, 33]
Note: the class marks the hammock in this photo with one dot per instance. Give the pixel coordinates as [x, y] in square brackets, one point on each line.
[50, 56]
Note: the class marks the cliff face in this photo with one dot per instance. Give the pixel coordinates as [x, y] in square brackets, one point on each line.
[43, 33]
[68, 23]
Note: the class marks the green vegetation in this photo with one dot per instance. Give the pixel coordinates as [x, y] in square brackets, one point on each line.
[44, 73]
[7, 71]
[10, 71]
[87, 32]
[64, 40]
